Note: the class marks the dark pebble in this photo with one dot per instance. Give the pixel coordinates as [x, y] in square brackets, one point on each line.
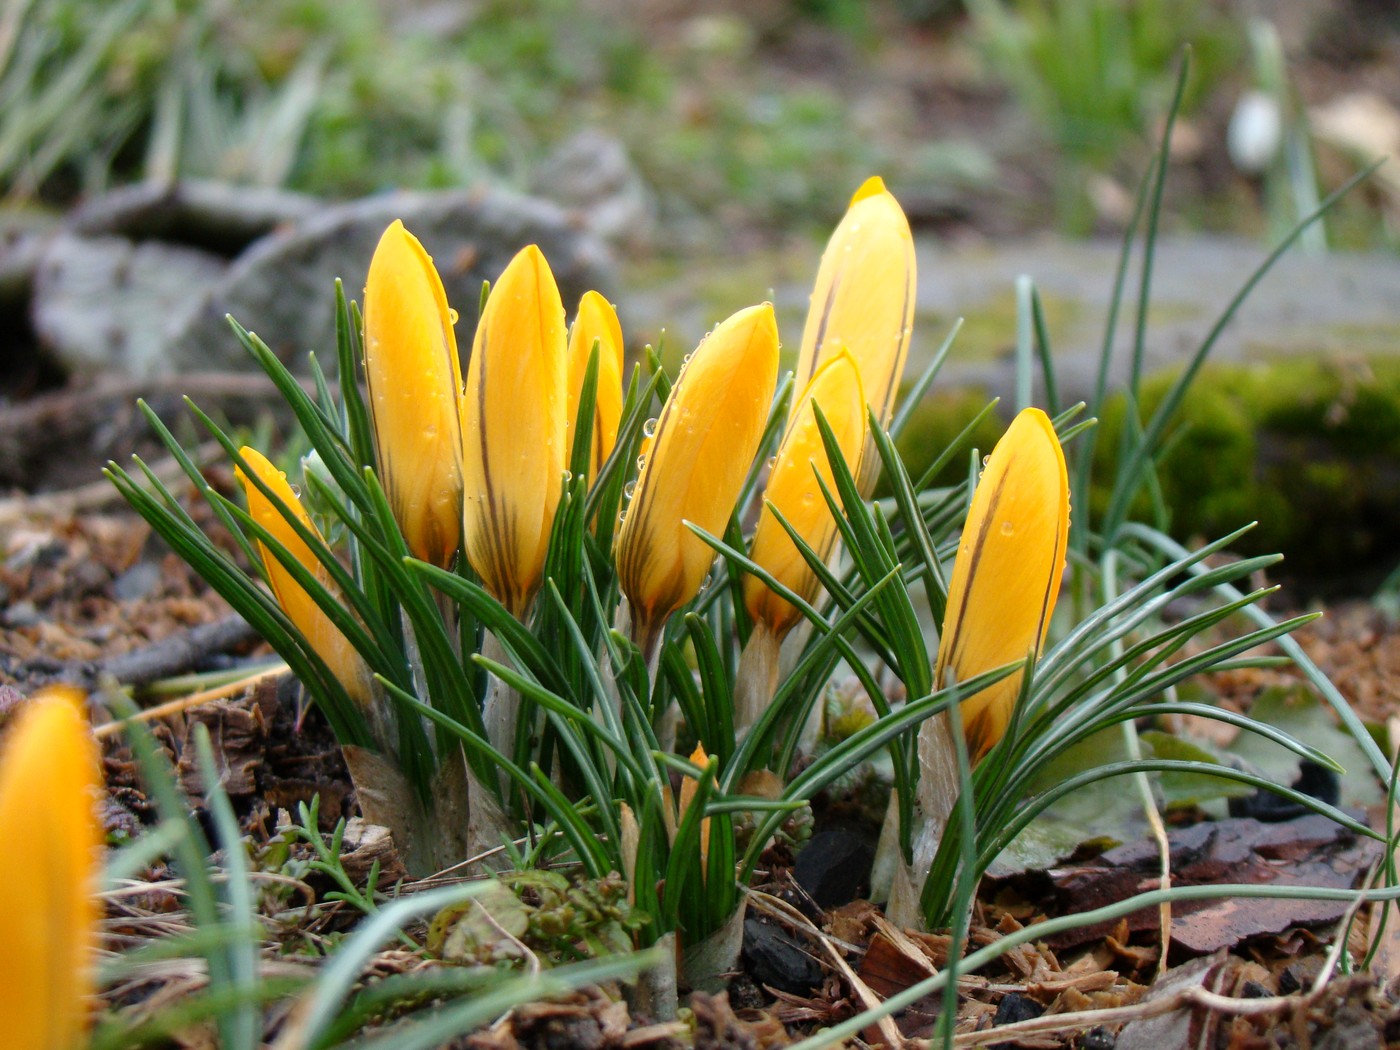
[834, 867]
[775, 957]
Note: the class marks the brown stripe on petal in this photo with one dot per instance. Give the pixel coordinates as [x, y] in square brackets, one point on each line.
[978, 546]
[824, 319]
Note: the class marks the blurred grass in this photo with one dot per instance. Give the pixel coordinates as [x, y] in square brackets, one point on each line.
[740, 119]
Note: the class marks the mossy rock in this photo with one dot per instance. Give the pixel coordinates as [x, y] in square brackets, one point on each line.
[1309, 449]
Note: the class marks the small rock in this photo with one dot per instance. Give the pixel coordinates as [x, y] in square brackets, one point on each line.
[23, 613]
[108, 306]
[775, 957]
[282, 287]
[592, 174]
[1016, 1007]
[833, 867]
[139, 581]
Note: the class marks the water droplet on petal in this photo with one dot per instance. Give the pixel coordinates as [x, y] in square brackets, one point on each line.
[629, 490]
[641, 462]
[649, 428]
[1007, 528]
[452, 315]
[772, 462]
[621, 516]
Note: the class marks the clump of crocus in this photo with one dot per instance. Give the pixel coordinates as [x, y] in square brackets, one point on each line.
[1006, 579]
[415, 381]
[49, 777]
[794, 491]
[704, 441]
[596, 324]
[864, 301]
[323, 637]
[514, 430]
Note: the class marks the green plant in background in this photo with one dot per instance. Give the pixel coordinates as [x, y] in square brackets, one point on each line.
[1095, 73]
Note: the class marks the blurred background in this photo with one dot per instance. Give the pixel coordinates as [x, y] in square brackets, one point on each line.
[734, 123]
[164, 162]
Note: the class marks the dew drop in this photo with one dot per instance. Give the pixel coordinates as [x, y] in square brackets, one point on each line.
[452, 315]
[772, 462]
[621, 516]
[568, 477]
[649, 428]
[641, 462]
[1007, 528]
[629, 490]
[986, 460]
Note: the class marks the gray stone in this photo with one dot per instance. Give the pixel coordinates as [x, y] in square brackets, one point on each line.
[1306, 305]
[221, 216]
[108, 305]
[282, 287]
[592, 174]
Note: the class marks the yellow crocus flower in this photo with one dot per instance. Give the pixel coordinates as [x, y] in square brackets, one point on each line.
[704, 441]
[513, 430]
[864, 300]
[307, 617]
[596, 322]
[793, 489]
[1007, 573]
[49, 777]
[415, 381]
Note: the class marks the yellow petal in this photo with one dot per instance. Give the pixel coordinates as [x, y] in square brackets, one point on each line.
[864, 300]
[793, 489]
[1007, 573]
[415, 380]
[315, 626]
[596, 323]
[704, 442]
[513, 430]
[689, 786]
[49, 777]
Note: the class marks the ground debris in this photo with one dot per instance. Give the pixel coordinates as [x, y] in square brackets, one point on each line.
[1307, 851]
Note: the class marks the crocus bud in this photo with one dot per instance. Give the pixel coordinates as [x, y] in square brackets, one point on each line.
[704, 441]
[596, 323]
[864, 301]
[513, 430]
[794, 491]
[323, 636]
[1007, 573]
[415, 381]
[49, 777]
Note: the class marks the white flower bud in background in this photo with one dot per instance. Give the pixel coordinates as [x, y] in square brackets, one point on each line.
[1255, 133]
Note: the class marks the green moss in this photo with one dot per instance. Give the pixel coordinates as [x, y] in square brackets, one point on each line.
[1308, 448]
[936, 424]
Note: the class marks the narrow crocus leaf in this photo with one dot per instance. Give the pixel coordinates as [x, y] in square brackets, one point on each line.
[793, 489]
[415, 382]
[695, 465]
[864, 300]
[49, 777]
[324, 638]
[513, 430]
[1007, 573]
[596, 323]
